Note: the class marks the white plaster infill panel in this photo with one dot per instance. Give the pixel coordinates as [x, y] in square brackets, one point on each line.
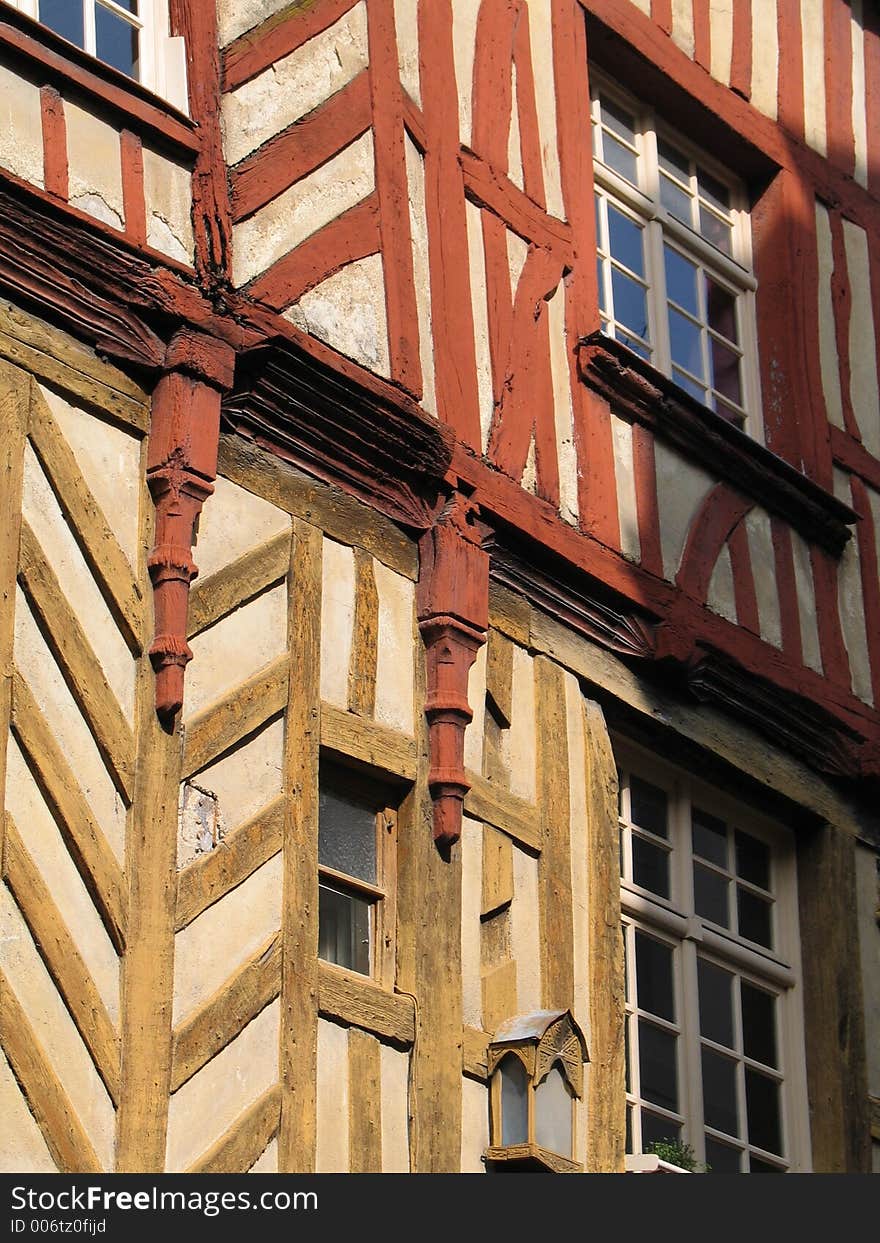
[236, 648]
[208, 951]
[208, 1104]
[302, 210]
[168, 200]
[233, 522]
[95, 165]
[681, 487]
[21, 127]
[347, 311]
[331, 1155]
[337, 620]
[394, 1069]
[294, 85]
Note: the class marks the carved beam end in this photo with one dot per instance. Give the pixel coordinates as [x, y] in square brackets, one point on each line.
[181, 464]
[453, 610]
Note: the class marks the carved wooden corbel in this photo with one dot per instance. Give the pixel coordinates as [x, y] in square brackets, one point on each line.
[181, 465]
[453, 611]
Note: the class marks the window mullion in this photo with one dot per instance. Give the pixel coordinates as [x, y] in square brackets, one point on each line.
[89, 34]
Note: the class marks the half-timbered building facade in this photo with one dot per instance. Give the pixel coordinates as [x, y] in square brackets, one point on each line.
[440, 633]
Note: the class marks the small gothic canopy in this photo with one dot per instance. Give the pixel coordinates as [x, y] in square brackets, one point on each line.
[539, 1039]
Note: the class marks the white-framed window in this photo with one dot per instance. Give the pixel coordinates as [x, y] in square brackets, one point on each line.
[130, 35]
[674, 258]
[714, 1026]
[357, 844]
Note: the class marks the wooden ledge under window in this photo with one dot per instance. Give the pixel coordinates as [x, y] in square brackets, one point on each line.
[360, 1002]
[638, 392]
[650, 1163]
[522, 1158]
[59, 63]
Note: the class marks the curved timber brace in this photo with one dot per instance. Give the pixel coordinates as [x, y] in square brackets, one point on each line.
[453, 612]
[181, 464]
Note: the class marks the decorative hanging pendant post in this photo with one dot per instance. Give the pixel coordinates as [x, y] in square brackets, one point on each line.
[453, 611]
[181, 465]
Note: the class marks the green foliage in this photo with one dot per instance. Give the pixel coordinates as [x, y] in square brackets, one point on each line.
[677, 1153]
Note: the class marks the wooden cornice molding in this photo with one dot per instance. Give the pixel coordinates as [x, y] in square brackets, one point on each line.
[121, 300]
[77, 279]
[636, 391]
[671, 649]
[386, 452]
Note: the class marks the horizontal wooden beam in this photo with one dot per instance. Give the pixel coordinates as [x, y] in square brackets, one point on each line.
[363, 739]
[337, 514]
[475, 1053]
[55, 60]
[358, 1001]
[56, 358]
[491, 803]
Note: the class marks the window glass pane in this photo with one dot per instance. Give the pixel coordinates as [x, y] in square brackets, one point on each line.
[600, 281]
[710, 895]
[656, 1129]
[650, 866]
[754, 918]
[688, 384]
[553, 1114]
[709, 836]
[343, 929]
[620, 158]
[681, 280]
[654, 977]
[65, 17]
[626, 241]
[628, 1142]
[759, 1024]
[676, 202]
[725, 371]
[716, 1003]
[721, 1158]
[721, 310]
[648, 806]
[715, 230]
[762, 1107]
[346, 833]
[632, 343]
[752, 860]
[514, 1102]
[719, 1092]
[713, 191]
[673, 161]
[116, 41]
[618, 119]
[657, 1070]
[630, 305]
[684, 341]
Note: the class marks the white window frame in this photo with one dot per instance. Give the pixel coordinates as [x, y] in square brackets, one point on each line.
[690, 936]
[162, 58]
[642, 203]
